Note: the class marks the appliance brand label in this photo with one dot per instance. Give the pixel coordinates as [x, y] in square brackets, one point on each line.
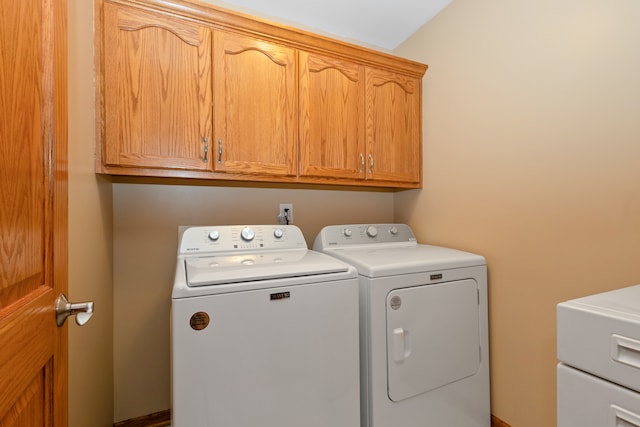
[199, 321]
[436, 276]
[395, 302]
[280, 295]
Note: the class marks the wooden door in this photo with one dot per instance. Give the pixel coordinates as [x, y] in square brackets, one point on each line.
[157, 90]
[332, 140]
[33, 212]
[394, 130]
[255, 123]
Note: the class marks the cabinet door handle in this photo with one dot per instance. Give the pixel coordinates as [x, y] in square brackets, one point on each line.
[371, 164]
[205, 140]
[361, 163]
[220, 150]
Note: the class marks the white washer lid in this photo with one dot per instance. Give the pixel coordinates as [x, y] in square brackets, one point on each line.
[257, 266]
[373, 261]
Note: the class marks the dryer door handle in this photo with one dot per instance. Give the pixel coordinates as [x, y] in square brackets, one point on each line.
[401, 345]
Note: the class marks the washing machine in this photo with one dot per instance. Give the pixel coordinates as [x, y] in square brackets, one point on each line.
[423, 327]
[264, 332]
[599, 352]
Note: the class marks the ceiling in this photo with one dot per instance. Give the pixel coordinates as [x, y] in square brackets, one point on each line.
[378, 23]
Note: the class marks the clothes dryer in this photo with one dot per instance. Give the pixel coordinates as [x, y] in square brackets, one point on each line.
[264, 332]
[423, 327]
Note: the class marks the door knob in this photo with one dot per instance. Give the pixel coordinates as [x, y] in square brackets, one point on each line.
[83, 310]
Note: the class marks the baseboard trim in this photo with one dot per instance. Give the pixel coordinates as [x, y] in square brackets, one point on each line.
[163, 419]
[497, 422]
[157, 419]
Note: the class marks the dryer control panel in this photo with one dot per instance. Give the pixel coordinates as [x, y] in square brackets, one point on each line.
[361, 234]
[232, 238]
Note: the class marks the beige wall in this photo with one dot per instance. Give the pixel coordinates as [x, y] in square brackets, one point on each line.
[146, 220]
[122, 243]
[90, 238]
[532, 141]
[145, 239]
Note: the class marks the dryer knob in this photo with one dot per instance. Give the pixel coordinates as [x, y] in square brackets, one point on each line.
[372, 231]
[278, 233]
[393, 230]
[347, 232]
[214, 235]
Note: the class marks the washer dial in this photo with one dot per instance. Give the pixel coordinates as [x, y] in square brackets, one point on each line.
[247, 234]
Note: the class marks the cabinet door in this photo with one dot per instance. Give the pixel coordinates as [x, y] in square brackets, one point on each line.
[394, 133]
[331, 117]
[157, 90]
[255, 106]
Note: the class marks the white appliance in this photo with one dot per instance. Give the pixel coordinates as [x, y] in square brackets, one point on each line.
[599, 352]
[423, 327]
[264, 332]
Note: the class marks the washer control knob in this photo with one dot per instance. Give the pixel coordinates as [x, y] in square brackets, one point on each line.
[393, 230]
[372, 231]
[278, 233]
[214, 235]
[247, 234]
[347, 232]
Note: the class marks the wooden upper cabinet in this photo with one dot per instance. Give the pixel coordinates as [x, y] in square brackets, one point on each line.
[157, 89]
[332, 139]
[338, 101]
[394, 127]
[190, 90]
[255, 123]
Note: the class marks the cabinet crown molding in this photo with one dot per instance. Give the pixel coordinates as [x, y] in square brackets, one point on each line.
[229, 20]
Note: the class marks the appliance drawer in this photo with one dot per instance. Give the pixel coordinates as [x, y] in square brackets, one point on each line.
[600, 334]
[588, 401]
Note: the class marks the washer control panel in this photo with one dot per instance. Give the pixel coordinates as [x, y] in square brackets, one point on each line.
[362, 234]
[230, 238]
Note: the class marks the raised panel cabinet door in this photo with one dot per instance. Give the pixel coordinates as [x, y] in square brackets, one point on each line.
[157, 90]
[255, 123]
[394, 127]
[33, 212]
[332, 139]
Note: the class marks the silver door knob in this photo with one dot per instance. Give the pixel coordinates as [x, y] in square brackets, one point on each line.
[83, 311]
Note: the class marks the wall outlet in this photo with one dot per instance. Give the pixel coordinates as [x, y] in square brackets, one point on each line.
[285, 216]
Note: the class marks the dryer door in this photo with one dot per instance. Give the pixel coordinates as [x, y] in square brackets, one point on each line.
[433, 337]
